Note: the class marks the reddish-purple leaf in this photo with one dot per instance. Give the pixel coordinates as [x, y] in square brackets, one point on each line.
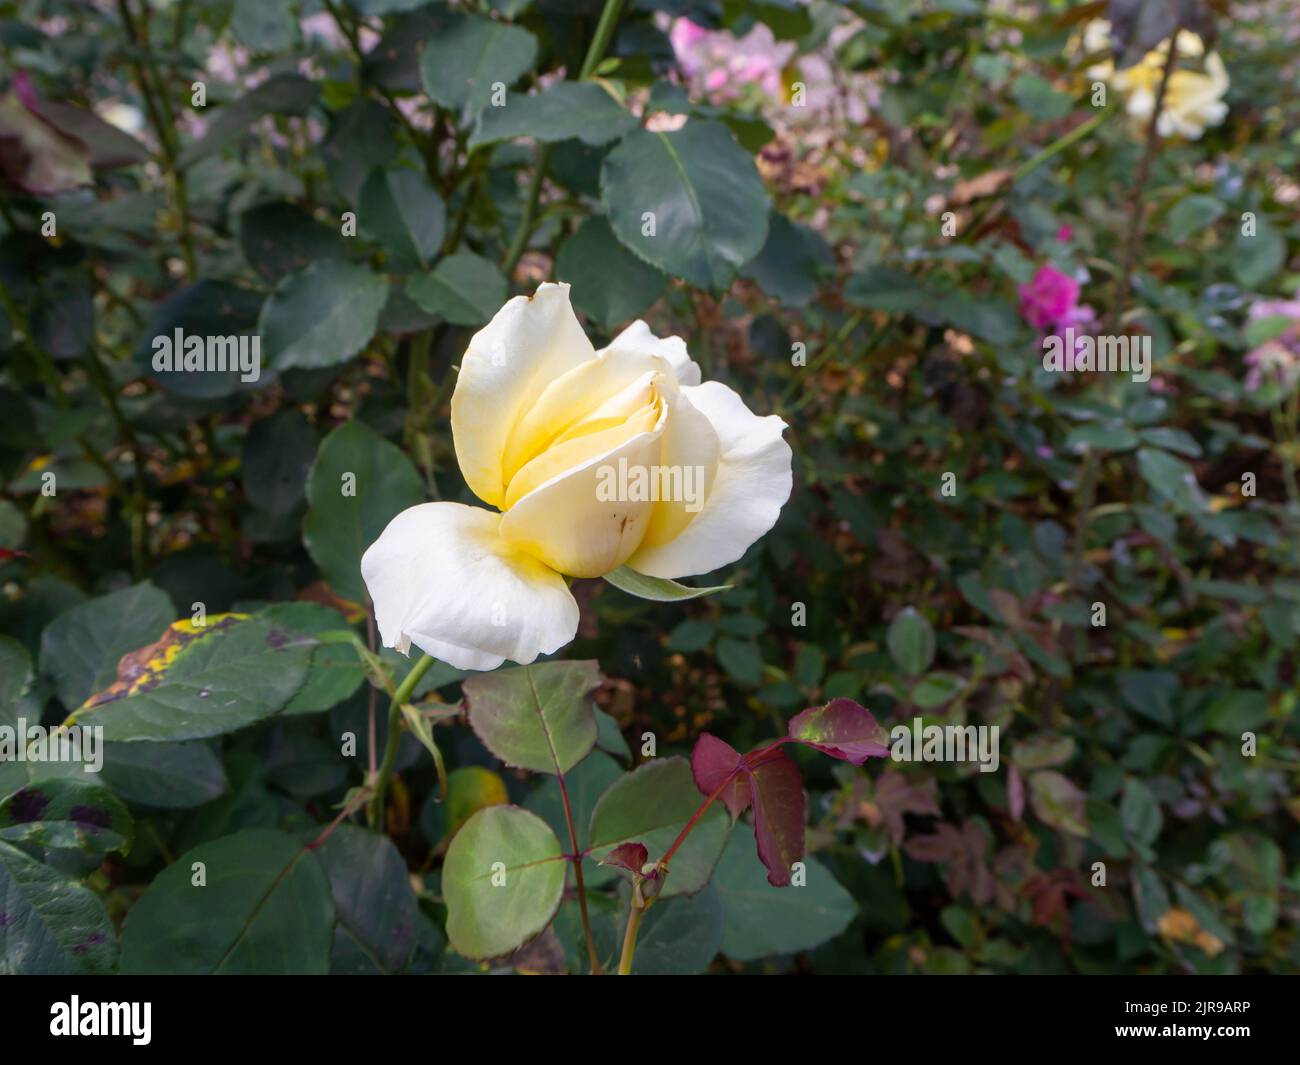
[842, 729]
[778, 813]
[713, 761]
[1015, 793]
[896, 795]
[629, 856]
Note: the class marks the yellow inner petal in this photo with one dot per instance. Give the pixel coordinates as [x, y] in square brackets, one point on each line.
[579, 449]
[602, 389]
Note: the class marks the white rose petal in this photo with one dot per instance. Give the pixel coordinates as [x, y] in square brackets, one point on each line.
[442, 579]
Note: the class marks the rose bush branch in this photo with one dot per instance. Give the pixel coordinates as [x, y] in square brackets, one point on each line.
[765, 779]
[393, 740]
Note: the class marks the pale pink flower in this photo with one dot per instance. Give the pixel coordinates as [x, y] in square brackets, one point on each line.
[1277, 359]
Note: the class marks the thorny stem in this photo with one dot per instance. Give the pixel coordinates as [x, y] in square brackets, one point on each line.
[375, 813]
[1125, 278]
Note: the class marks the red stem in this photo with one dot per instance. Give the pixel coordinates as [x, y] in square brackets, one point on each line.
[360, 797]
[577, 876]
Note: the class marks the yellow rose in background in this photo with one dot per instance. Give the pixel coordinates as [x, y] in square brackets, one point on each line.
[1193, 99]
[593, 459]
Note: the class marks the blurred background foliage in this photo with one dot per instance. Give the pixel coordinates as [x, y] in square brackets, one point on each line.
[881, 186]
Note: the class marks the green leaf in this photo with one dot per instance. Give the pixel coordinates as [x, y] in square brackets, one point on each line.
[459, 65]
[66, 813]
[565, 110]
[651, 805]
[610, 284]
[52, 925]
[741, 660]
[1237, 711]
[1039, 100]
[80, 648]
[709, 207]
[1149, 693]
[760, 920]
[935, 689]
[691, 635]
[264, 27]
[1110, 437]
[536, 717]
[208, 308]
[911, 641]
[357, 485]
[609, 736]
[362, 136]
[1193, 214]
[1058, 802]
[1172, 480]
[1139, 812]
[502, 880]
[15, 679]
[265, 908]
[200, 681]
[401, 210]
[1173, 440]
[282, 238]
[170, 776]
[787, 267]
[464, 288]
[278, 452]
[1043, 751]
[321, 316]
[678, 936]
[1256, 259]
[659, 589]
[335, 672]
[373, 898]
[883, 289]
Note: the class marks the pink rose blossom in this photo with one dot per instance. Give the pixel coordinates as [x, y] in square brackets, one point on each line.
[724, 65]
[1049, 298]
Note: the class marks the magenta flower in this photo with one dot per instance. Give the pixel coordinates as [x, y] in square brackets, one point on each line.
[1049, 299]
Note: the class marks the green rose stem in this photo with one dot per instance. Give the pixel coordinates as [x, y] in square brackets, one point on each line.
[638, 908]
[1061, 143]
[375, 812]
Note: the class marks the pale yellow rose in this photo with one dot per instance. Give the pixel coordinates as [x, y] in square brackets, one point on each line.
[1193, 99]
[544, 425]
